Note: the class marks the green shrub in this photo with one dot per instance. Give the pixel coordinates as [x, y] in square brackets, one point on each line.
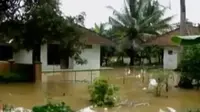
[102, 93]
[12, 77]
[193, 110]
[59, 107]
[190, 65]
[7, 108]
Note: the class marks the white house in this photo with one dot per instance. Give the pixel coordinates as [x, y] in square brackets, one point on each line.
[171, 52]
[91, 53]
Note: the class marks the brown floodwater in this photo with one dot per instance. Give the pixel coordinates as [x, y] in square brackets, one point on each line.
[76, 94]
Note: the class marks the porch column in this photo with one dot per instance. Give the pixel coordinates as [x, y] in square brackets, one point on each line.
[38, 71]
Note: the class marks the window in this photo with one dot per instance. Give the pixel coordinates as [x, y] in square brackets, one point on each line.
[170, 52]
[6, 52]
[88, 46]
[53, 55]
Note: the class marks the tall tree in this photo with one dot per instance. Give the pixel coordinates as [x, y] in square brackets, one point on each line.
[139, 20]
[43, 22]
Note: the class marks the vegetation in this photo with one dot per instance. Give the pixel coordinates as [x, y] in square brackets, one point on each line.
[162, 81]
[193, 110]
[13, 77]
[50, 107]
[106, 51]
[40, 22]
[60, 107]
[139, 21]
[102, 93]
[189, 66]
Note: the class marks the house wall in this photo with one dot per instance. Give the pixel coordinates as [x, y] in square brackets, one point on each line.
[23, 57]
[92, 56]
[43, 56]
[170, 61]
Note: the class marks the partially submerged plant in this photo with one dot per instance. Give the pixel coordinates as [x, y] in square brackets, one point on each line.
[50, 107]
[193, 110]
[102, 93]
[162, 81]
[7, 108]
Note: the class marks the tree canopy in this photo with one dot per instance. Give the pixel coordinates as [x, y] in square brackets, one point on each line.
[32, 23]
[139, 21]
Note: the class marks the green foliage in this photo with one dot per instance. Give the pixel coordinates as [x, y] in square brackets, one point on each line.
[139, 21]
[7, 108]
[190, 62]
[106, 51]
[40, 22]
[193, 110]
[13, 77]
[162, 81]
[102, 93]
[59, 107]
[117, 64]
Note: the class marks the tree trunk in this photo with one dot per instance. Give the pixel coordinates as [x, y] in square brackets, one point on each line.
[149, 59]
[122, 59]
[131, 60]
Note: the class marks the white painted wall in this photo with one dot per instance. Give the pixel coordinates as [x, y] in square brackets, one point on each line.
[171, 61]
[23, 57]
[45, 66]
[92, 56]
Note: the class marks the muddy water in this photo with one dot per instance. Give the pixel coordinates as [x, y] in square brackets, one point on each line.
[76, 94]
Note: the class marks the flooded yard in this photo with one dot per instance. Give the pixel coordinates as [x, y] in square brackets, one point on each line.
[76, 94]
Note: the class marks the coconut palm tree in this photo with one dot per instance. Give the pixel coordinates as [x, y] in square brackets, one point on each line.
[100, 29]
[139, 20]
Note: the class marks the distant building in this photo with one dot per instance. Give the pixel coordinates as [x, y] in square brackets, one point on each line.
[172, 50]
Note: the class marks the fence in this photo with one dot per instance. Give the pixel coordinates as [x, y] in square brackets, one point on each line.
[68, 75]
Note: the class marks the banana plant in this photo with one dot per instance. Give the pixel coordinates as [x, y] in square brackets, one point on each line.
[186, 40]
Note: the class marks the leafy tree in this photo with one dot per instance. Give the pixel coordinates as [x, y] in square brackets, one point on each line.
[152, 51]
[190, 66]
[139, 21]
[43, 22]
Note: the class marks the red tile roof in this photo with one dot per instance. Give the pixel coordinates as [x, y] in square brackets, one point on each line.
[92, 37]
[165, 39]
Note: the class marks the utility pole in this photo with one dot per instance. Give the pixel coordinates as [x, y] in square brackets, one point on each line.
[182, 17]
[182, 25]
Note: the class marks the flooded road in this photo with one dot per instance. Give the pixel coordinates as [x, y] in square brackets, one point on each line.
[76, 94]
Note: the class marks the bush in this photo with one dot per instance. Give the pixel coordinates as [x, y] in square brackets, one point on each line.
[190, 66]
[193, 110]
[102, 93]
[12, 77]
[59, 107]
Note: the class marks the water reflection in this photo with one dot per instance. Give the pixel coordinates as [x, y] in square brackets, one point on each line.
[76, 94]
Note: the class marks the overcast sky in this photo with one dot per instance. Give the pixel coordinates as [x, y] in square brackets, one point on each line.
[96, 11]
